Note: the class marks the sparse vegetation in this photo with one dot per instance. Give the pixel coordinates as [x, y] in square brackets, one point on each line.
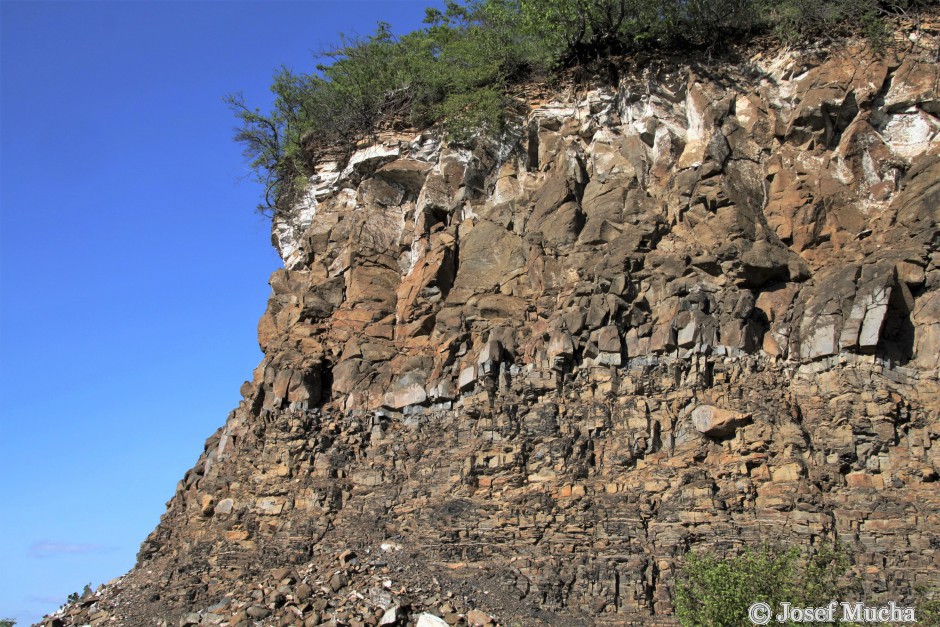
[457, 71]
[7, 622]
[928, 606]
[716, 591]
[75, 596]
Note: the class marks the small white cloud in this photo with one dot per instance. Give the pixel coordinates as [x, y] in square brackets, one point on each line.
[45, 548]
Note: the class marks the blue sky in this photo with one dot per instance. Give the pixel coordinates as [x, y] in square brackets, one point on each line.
[133, 268]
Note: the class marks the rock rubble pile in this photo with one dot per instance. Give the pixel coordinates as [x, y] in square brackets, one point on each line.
[514, 384]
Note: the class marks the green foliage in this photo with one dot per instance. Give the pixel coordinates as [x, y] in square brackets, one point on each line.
[466, 113]
[809, 20]
[272, 142]
[456, 71]
[716, 591]
[74, 597]
[7, 622]
[578, 31]
[794, 20]
[928, 606]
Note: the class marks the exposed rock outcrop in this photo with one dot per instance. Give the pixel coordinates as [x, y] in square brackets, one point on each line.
[699, 307]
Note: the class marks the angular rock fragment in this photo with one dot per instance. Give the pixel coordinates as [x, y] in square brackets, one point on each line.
[716, 422]
[488, 369]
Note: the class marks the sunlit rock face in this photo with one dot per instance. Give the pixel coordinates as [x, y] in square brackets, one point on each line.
[519, 381]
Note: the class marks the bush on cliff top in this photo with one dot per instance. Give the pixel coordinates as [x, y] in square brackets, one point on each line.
[457, 71]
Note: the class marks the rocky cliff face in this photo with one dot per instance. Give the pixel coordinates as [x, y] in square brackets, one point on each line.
[697, 308]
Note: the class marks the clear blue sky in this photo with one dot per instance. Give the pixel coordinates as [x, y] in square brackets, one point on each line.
[133, 268]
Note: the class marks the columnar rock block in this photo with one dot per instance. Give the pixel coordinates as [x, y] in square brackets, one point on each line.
[683, 310]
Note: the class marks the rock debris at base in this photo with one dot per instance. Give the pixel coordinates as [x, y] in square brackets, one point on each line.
[513, 385]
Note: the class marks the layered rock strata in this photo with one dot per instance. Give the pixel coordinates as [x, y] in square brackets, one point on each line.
[700, 308]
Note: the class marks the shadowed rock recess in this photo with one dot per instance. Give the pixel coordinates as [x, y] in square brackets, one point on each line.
[515, 384]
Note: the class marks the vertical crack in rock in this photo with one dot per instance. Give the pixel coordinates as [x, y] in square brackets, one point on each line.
[697, 308]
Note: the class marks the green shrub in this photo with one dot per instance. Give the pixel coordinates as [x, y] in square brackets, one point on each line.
[457, 71]
[928, 606]
[716, 591]
[454, 72]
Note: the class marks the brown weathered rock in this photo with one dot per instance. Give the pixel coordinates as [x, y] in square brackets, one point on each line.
[476, 618]
[488, 372]
[716, 422]
[409, 173]
[408, 389]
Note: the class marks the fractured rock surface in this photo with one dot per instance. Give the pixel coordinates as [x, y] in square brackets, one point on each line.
[517, 383]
